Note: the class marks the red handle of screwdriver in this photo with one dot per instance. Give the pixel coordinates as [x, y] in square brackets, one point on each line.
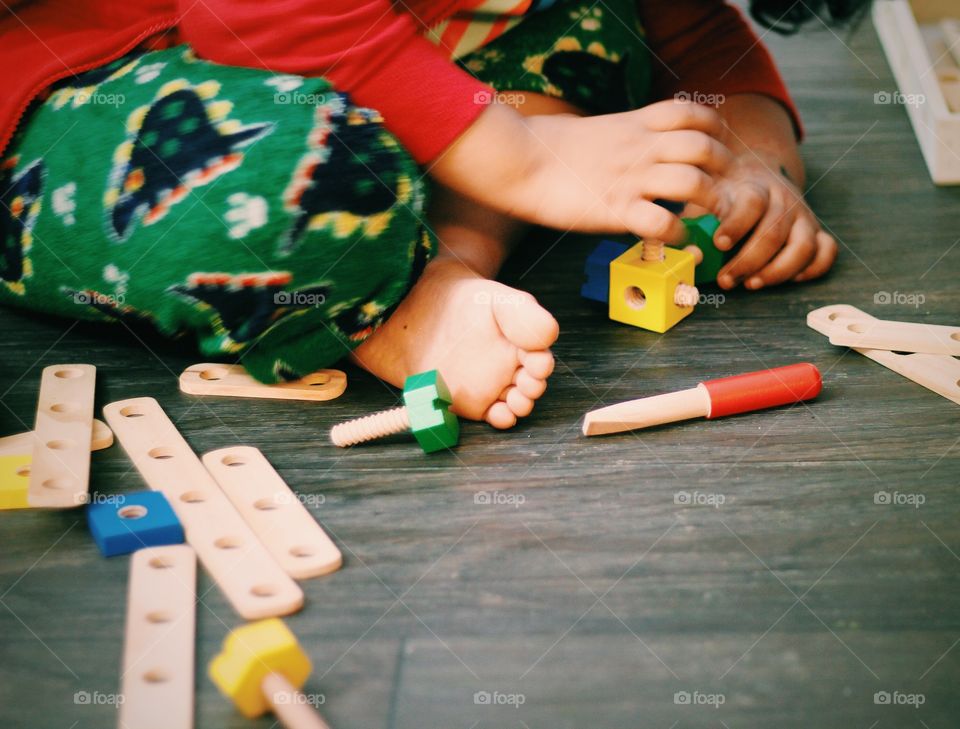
[763, 389]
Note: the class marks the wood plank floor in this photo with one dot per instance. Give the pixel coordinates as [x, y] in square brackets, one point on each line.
[585, 594]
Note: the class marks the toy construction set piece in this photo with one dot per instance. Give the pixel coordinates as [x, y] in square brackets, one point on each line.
[273, 511]
[262, 668]
[649, 285]
[711, 399]
[937, 372]
[252, 580]
[16, 456]
[158, 650]
[425, 413]
[133, 521]
[898, 336]
[233, 381]
[22, 443]
[60, 464]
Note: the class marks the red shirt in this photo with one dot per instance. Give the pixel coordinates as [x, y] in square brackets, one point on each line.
[368, 48]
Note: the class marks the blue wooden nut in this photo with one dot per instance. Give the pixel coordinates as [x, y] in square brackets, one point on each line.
[133, 521]
[597, 270]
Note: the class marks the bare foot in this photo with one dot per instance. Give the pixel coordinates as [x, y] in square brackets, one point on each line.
[489, 341]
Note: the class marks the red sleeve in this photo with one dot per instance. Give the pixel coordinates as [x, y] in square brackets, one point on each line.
[707, 47]
[364, 47]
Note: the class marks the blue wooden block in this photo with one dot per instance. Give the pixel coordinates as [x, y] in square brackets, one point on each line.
[133, 521]
[597, 270]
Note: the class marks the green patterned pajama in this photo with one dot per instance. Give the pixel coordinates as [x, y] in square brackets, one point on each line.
[262, 214]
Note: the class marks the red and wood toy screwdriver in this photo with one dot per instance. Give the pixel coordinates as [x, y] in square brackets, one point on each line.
[710, 399]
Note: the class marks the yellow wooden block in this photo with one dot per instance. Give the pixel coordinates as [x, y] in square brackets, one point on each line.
[642, 292]
[251, 653]
[14, 481]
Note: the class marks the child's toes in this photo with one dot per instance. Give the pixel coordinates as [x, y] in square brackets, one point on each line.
[499, 415]
[527, 384]
[523, 321]
[538, 364]
[519, 404]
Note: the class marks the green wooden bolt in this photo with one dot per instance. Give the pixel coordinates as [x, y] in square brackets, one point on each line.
[425, 412]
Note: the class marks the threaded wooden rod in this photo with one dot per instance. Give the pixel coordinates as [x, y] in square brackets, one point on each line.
[370, 427]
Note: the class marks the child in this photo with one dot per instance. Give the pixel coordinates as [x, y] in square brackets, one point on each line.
[247, 171]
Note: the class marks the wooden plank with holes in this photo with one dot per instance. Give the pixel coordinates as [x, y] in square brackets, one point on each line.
[60, 464]
[251, 579]
[233, 381]
[897, 336]
[273, 511]
[158, 648]
[22, 443]
[937, 372]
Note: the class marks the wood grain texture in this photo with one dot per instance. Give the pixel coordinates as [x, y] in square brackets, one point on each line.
[441, 596]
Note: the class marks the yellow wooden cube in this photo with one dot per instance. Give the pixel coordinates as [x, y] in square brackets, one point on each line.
[251, 653]
[14, 481]
[642, 292]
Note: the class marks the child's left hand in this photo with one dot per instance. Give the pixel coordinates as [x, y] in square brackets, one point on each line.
[787, 242]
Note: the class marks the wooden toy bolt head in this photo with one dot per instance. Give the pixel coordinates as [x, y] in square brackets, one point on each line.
[426, 413]
[261, 668]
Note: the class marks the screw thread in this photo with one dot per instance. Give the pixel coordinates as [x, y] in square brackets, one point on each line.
[685, 295]
[652, 250]
[370, 427]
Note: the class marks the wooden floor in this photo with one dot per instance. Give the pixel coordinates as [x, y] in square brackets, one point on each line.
[585, 594]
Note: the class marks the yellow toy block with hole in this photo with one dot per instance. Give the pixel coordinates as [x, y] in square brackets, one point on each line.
[250, 654]
[652, 294]
[14, 481]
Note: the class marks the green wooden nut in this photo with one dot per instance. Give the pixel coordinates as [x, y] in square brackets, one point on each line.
[428, 401]
[700, 232]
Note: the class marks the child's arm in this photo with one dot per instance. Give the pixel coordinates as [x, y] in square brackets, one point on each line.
[705, 50]
[597, 174]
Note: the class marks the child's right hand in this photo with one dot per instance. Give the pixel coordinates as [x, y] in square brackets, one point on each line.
[591, 174]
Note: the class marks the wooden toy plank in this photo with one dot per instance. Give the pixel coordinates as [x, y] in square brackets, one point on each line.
[950, 28]
[60, 466]
[273, 511]
[22, 443]
[937, 372]
[898, 336]
[251, 579]
[158, 648]
[233, 381]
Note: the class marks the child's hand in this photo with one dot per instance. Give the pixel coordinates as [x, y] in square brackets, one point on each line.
[787, 243]
[591, 174]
